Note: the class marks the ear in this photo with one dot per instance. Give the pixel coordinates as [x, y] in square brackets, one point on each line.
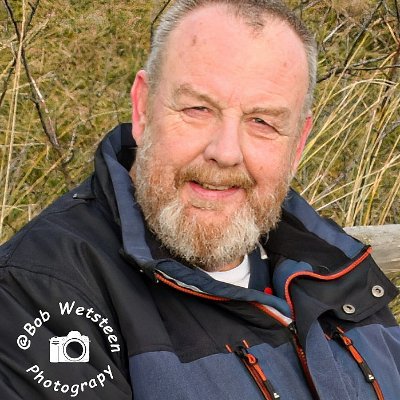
[306, 129]
[139, 98]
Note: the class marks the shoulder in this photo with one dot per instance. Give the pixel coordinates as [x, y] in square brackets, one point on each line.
[72, 243]
[69, 230]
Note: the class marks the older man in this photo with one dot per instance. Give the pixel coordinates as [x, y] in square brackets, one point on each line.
[206, 278]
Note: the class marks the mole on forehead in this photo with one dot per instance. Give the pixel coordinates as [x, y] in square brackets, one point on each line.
[186, 89]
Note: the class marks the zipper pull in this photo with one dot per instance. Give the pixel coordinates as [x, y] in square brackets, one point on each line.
[339, 336]
[292, 328]
[347, 343]
[247, 357]
[251, 363]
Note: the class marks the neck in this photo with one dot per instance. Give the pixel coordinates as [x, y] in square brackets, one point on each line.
[229, 266]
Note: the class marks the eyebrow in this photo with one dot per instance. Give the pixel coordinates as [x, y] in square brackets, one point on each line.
[186, 89]
[281, 112]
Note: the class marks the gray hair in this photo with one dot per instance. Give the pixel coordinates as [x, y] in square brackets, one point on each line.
[253, 12]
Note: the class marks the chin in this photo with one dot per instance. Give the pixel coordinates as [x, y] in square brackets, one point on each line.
[209, 213]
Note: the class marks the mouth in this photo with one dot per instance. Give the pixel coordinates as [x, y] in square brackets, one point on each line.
[213, 191]
[215, 187]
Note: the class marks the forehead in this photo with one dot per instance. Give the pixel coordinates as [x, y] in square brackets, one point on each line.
[213, 47]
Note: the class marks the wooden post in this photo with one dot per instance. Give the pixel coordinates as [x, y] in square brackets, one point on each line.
[385, 242]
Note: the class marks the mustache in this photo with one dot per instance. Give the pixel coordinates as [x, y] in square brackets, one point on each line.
[214, 175]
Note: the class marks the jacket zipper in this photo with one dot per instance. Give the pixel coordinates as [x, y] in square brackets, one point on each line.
[254, 371]
[250, 361]
[347, 343]
[303, 360]
[292, 327]
[297, 346]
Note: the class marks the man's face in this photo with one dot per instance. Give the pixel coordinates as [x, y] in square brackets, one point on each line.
[223, 134]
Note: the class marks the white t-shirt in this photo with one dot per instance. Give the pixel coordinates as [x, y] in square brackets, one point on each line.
[239, 276]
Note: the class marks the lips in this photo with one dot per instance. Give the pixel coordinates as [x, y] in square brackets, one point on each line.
[212, 192]
[210, 186]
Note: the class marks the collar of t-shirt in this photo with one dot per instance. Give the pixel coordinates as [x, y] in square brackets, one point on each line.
[239, 276]
[254, 272]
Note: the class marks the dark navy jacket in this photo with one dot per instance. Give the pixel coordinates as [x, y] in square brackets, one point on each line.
[93, 307]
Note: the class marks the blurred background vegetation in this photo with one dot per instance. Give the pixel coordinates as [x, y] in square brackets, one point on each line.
[66, 67]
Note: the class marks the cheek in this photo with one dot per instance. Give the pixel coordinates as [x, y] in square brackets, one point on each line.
[177, 143]
[269, 164]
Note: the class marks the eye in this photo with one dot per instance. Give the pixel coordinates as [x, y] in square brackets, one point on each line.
[262, 127]
[197, 108]
[196, 111]
[260, 121]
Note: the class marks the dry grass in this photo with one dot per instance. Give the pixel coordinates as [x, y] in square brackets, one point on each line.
[81, 57]
[65, 78]
[350, 169]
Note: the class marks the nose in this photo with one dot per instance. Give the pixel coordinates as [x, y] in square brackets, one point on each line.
[224, 147]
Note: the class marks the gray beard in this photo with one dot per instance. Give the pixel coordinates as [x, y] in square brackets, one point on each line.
[208, 245]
